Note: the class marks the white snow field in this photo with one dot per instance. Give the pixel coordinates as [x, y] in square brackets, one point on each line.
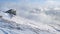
[46, 22]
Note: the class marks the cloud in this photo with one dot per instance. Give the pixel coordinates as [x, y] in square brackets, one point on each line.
[31, 3]
[42, 17]
[53, 2]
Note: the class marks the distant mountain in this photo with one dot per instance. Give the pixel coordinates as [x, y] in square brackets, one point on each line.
[11, 11]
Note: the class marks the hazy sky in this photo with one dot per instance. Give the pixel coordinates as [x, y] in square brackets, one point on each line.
[17, 4]
[32, 3]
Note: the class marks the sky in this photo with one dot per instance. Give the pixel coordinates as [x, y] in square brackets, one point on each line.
[31, 3]
[17, 4]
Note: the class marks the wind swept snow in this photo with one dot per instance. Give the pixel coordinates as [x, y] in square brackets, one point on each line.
[20, 25]
[25, 27]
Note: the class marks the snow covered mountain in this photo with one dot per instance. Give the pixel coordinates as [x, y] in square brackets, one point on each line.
[20, 25]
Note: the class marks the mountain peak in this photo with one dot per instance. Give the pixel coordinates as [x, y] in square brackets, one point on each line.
[11, 11]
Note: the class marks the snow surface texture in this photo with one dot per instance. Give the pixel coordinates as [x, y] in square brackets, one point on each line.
[31, 22]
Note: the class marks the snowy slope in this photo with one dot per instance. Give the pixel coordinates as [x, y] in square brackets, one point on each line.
[48, 27]
[25, 27]
[20, 25]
